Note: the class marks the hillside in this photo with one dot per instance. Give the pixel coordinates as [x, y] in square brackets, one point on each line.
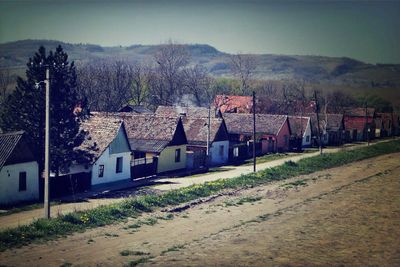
[317, 69]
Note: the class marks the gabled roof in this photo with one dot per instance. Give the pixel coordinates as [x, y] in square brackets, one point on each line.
[172, 111]
[196, 130]
[145, 131]
[13, 149]
[359, 112]
[233, 103]
[241, 123]
[298, 124]
[334, 123]
[102, 130]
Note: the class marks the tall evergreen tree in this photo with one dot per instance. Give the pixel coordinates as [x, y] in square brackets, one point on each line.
[25, 110]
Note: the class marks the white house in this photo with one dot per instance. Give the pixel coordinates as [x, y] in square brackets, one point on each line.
[19, 171]
[195, 123]
[196, 130]
[300, 127]
[107, 142]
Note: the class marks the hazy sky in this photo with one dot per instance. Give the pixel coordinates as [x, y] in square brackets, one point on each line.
[365, 30]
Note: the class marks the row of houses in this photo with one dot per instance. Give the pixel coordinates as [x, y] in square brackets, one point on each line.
[138, 143]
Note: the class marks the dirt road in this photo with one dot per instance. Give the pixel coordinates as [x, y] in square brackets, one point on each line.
[26, 217]
[342, 216]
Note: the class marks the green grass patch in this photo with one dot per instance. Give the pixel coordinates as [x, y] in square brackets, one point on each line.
[295, 184]
[241, 201]
[138, 261]
[133, 253]
[42, 229]
[173, 248]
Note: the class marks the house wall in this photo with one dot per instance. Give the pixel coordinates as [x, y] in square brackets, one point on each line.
[166, 159]
[110, 162]
[282, 143]
[9, 185]
[216, 158]
[358, 123]
[307, 132]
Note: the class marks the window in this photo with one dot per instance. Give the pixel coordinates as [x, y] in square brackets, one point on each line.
[101, 170]
[221, 151]
[236, 152]
[22, 181]
[178, 155]
[118, 168]
[286, 139]
[307, 138]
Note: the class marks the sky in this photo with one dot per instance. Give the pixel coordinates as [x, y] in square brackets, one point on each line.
[364, 30]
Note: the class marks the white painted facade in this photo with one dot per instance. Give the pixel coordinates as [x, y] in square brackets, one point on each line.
[9, 183]
[307, 135]
[109, 161]
[219, 152]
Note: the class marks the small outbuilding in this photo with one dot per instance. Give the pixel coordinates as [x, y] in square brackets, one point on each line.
[19, 171]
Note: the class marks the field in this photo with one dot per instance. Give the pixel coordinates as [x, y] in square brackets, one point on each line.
[341, 216]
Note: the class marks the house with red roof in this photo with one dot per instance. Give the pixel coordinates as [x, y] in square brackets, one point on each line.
[359, 122]
[233, 103]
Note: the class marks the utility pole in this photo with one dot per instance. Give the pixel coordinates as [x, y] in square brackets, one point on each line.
[366, 123]
[208, 135]
[47, 149]
[254, 131]
[319, 128]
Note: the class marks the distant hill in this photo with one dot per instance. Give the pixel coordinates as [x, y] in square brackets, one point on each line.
[316, 69]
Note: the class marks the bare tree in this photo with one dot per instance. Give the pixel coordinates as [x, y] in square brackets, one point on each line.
[339, 100]
[106, 85]
[141, 74]
[243, 67]
[197, 83]
[171, 58]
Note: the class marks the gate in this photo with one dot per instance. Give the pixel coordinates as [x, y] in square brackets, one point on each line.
[144, 167]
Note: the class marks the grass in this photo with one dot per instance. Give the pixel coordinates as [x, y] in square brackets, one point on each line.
[138, 261]
[295, 184]
[42, 229]
[173, 248]
[133, 253]
[241, 201]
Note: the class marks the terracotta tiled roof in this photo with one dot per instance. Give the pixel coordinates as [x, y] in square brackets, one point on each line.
[8, 143]
[234, 103]
[241, 123]
[101, 130]
[359, 112]
[298, 124]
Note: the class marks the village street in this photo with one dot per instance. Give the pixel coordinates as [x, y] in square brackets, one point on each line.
[164, 184]
[344, 216]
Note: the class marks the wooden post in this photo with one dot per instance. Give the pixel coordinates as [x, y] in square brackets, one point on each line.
[319, 128]
[254, 131]
[208, 135]
[47, 149]
[366, 123]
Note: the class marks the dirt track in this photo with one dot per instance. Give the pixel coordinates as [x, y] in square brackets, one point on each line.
[343, 216]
